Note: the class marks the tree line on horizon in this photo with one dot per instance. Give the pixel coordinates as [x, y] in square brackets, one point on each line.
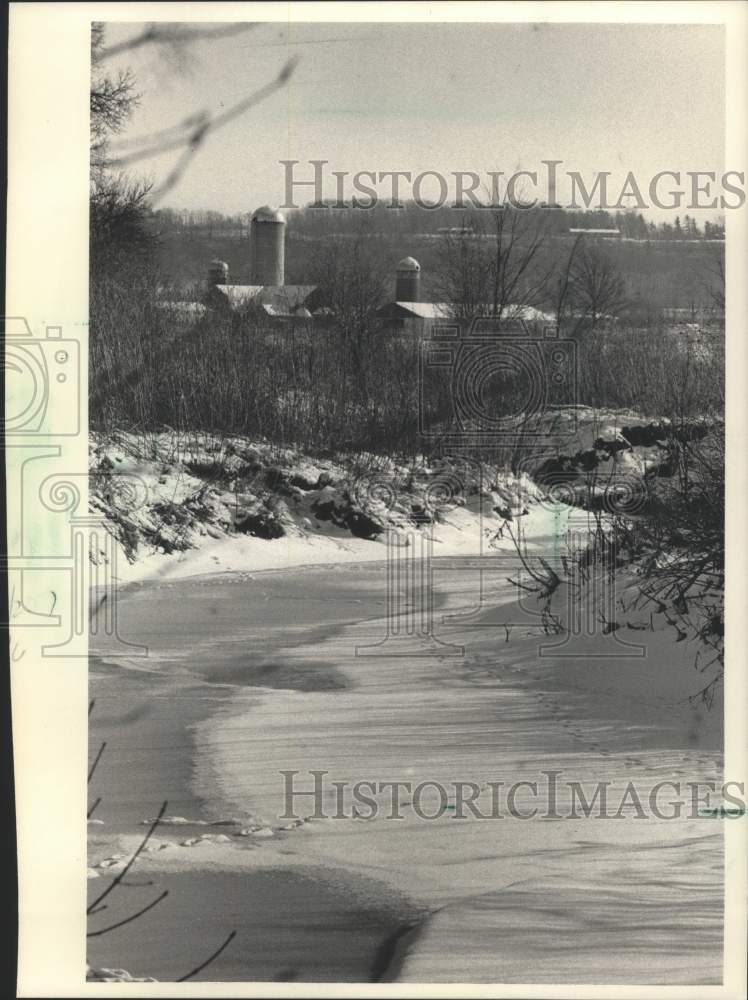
[323, 219]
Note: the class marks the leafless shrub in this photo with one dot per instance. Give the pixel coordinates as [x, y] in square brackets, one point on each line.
[682, 563]
[492, 263]
[97, 905]
[654, 372]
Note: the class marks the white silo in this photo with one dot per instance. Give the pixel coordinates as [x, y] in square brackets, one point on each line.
[408, 281]
[268, 231]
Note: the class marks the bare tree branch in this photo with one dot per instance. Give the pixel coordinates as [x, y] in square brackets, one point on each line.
[118, 878]
[207, 962]
[128, 920]
[97, 759]
[157, 33]
[196, 129]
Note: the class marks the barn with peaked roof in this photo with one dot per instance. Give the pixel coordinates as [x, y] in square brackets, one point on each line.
[276, 301]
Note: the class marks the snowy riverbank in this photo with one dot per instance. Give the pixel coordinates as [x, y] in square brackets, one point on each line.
[251, 673]
[192, 504]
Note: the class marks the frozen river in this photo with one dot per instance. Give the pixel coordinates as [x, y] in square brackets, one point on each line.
[252, 675]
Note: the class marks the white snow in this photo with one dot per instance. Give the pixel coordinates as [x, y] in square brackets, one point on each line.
[512, 900]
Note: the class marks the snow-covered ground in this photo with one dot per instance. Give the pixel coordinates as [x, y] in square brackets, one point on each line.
[191, 507]
[253, 673]
[191, 504]
[611, 899]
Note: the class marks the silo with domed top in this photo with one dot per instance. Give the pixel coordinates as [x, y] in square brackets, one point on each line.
[408, 281]
[267, 232]
[218, 273]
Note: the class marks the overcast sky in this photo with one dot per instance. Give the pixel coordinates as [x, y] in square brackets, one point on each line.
[439, 97]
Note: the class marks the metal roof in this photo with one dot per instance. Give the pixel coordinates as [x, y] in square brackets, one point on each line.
[598, 232]
[446, 310]
[408, 264]
[283, 299]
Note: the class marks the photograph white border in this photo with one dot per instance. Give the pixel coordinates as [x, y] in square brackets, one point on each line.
[47, 283]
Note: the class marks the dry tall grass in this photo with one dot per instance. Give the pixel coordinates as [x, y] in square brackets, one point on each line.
[318, 387]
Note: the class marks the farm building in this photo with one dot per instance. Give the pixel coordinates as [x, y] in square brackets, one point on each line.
[267, 291]
[429, 311]
[278, 302]
[598, 234]
[408, 312]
